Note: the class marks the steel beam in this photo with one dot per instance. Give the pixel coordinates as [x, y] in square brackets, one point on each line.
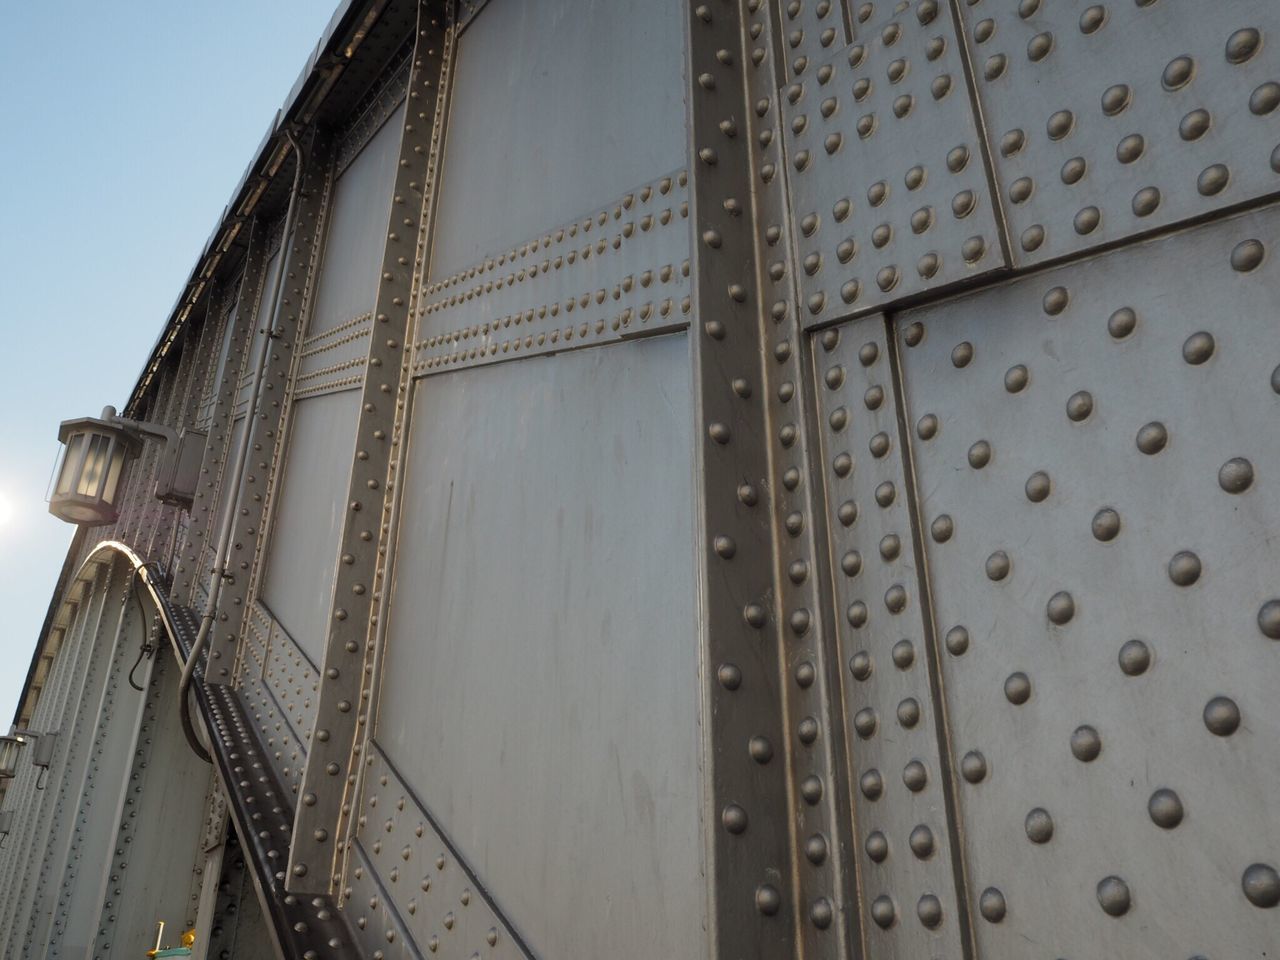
[189, 568]
[333, 757]
[288, 321]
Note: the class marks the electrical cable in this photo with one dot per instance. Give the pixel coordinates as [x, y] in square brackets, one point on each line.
[146, 650]
[223, 550]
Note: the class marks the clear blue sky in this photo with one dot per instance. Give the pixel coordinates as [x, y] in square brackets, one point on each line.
[125, 127]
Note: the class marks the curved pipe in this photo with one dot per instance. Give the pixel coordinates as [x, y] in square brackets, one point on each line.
[143, 574]
[223, 549]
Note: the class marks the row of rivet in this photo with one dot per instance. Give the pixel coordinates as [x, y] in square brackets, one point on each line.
[348, 821]
[751, 878]
[92, 792]
[331, 773]
[242, 294]
[71, 760]
[818, 799]
[22, 796]
[284, 322]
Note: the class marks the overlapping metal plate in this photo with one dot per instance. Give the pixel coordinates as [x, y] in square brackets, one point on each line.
[1106, 120]
[618, 272]
[890, 194]
[899, 777]
[1097, 450]
[407, 884]
[811, 31]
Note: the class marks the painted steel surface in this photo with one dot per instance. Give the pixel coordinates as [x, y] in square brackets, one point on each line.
[558, 726]
[588, 104]
[740, 478]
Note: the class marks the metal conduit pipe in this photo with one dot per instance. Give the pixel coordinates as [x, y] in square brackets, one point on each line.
[223, 549]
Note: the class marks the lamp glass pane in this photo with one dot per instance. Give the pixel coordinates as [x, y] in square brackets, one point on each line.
[95, 465]
[113, 473]
[8, 756]
[70, 461]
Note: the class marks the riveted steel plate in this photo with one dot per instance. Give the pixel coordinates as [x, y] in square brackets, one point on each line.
[590, 101]
[748, 797]
[107, 794]
[806, 667]
[368, 118]
[348, 279]
[539, 691]
[280, 689]
[377, 926]
[890, 192]
[614, 273]
[333, 355]
[292, 677]
[1097, 450]
[166, 795]
[432, 893]
[302, 550]
[1108, 120]
[261, 321]
[283, 748]
[898, 778]
[811, 31]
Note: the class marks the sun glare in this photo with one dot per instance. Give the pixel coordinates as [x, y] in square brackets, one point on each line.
[6, 510]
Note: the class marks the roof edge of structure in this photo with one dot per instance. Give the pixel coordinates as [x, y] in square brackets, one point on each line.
[346, 30]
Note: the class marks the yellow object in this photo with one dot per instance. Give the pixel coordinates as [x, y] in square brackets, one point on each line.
[159, 936]
[188, 940]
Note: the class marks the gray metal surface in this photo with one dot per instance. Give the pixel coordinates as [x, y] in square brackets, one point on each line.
[750, 613]
[98, 806]
[218, 401]
[166, 784]
[285, 319]
[748, 798]
[819, 822]
[280, 704]
[308, 514]
[294, 683]
[238, 928]
[899, 777]
[262, 298]
[1108, 120]
[618, 272]
[588, 104]
[539, 689]
[811, 31]
[333, 352]
[1110, 563]
[25, 845]
[324, 819]
[407, 884]
[889, 185]
[52, 831]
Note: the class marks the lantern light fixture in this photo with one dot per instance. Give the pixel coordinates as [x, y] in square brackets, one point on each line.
[95, 451]
[9, 747]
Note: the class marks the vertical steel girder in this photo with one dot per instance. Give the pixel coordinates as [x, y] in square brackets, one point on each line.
[288, 321]
[206, 510]
[828, 691]
[333, 760]
[810, 672]
[25, 798]
[153, 707]
[80, 716]
[775, 816]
